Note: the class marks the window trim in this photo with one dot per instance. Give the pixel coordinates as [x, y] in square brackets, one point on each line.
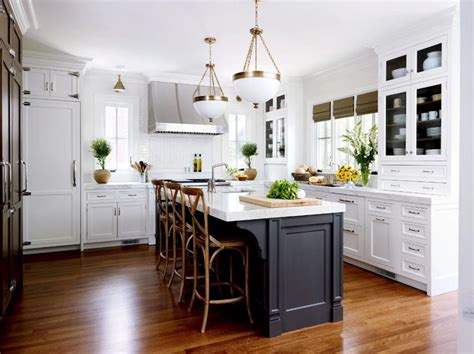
[229, 140]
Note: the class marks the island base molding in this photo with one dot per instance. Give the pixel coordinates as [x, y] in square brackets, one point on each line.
[300, 266]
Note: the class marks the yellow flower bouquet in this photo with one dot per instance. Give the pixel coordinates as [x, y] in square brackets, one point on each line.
[347, 174]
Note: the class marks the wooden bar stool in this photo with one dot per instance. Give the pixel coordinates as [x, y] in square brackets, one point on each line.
[164, 223]
[184, 231]
[211, 247]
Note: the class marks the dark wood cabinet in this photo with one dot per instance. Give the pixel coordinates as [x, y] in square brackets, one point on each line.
[12, 173]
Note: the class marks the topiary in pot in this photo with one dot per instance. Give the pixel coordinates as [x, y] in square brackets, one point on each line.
[101, 149]
[248, 151]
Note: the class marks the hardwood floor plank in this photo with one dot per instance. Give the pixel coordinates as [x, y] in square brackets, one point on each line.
[114, 300]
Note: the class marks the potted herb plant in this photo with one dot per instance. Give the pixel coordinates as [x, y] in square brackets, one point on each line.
[101, 149]
[248, 151]
[363, 147]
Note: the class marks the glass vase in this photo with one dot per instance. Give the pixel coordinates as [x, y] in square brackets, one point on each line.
[365, 174]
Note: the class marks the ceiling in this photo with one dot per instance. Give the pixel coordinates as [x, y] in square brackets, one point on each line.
[160, 38]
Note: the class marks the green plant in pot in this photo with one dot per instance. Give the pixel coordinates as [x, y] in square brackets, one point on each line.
[101, 149]
[248, 151]
[363, 147]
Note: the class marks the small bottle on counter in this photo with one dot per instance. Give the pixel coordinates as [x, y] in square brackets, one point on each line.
[199, 163]
[195, 163]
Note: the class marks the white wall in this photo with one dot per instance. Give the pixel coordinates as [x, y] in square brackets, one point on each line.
[343, 80]
[466, 242]
[169, 154]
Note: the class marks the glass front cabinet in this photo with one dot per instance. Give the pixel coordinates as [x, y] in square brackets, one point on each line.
[413, 125]
[275, 138]
[415, 63]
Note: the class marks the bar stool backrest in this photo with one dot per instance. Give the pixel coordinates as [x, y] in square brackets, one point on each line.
[179, 209]
[161, 195]
[195, 197]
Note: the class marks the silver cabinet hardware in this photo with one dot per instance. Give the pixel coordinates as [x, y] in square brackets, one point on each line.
[26, 92]
[115, 211]
[5, 183]
[12, 52]
[11, 211]
[74, 184]
[413, 230]
[74, 96]
[26, 103]
[413, 212]
[132, 195]
[413, 249]
[414, 268]
[101, 196]
[395, 171]
[428, 188]
[380, 219]
[26, 243]
[51, 86]
[26, 176]
[349, 230]
[46, 86]
[427, 171]
[74, 73]
[395, 185]
[25, 68]
[119, 211]
[12, 286]
[346, 201]
[380, 207]
[411, 152]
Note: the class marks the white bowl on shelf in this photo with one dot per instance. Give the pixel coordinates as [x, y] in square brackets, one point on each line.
[433, 151]
[399, 118]
[399, 151]
[399, 136]
[400, 72]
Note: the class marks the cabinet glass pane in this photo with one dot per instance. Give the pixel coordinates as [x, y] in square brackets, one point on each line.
[269, 139]
[269, 106]
[396, 68]
[429, 58]
[428, 120]
[280, 138]
[281, 102]
[395, 124]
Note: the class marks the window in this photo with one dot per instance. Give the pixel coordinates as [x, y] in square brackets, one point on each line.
[341, 127]
[324, 144]
[117, 133]
[237, 137]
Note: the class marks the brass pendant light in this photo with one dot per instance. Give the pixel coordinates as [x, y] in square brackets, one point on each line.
[119, 87]
[256, 86]
[214, 104]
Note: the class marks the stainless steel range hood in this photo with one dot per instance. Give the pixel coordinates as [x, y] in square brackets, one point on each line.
[170, 110]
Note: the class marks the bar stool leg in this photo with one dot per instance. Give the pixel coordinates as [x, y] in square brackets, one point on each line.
[231, 274]
[173, 266]
[167, 236]
[183, 266]
[247, 298]
[207, 290]
[193, 296]
[160, 241]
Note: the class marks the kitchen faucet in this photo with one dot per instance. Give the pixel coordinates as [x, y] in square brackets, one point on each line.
[211, 185]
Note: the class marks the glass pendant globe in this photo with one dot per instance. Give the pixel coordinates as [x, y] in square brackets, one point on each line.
[256, 86]
[210, 106]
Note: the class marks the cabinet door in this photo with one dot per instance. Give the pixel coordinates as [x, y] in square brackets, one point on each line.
[354, 242]
[5, 273]
[51, 132]
[36, 82]
[101, 221]
[395, 68]
[151, 213]
[18, 171]
[63, 84]
[380, 241]
[15, 41]
[280, 139]
[430, 58]
[430, 125]
[5, 155]
[269, 139]
[131, 219]
[394, 123]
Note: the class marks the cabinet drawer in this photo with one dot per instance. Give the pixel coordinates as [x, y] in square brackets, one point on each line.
[432, 172]
[380, 207]
[354, 242]
[415, 187]
[355, 208]
[100, 196]
[413, 230]
[132, 195]
[413, 269]
[414, 212]
[413, 249]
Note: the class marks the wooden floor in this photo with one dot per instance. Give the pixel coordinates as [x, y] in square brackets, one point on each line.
[113, 300]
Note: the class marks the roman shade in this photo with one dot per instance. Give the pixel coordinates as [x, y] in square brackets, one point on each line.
[322, 112]
[343, 107]
[367, 103]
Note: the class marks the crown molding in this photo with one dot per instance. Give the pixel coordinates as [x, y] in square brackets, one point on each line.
[59, 60]
[25, 15]
[343, 64]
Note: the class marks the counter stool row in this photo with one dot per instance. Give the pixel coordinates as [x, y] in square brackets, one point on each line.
[190, 253]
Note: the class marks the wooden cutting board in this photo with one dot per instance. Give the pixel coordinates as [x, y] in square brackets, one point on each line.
[278, 203]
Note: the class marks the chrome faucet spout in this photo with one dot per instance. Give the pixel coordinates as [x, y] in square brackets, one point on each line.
[211, 184]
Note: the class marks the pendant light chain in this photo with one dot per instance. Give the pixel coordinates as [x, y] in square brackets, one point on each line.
[213, 79]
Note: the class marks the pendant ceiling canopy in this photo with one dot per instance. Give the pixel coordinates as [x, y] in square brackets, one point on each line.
[256, 86]
[214, 104]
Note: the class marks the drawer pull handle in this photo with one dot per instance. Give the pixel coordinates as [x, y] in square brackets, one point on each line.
[346, 201]
[349, 230]
[380, 207]
[101, 196]
[115, 211]
[395, 171]
[413, 212]
[428, 188]
[428, 171]
[380, 219]
[395, 185]
[413, 230]
[414, 268]
[413, 249]
[132, 195]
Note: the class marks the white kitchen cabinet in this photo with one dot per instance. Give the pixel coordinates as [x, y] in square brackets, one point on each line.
[275, 138]
[354, 241]
[355, 208]
[53, 84]
[380, 240]
[101, 221]
[131, 219]
[51, 150]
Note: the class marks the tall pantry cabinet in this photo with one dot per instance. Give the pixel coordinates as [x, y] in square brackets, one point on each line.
[13, 170]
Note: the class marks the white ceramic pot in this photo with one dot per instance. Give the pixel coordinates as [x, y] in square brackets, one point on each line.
[433, 61]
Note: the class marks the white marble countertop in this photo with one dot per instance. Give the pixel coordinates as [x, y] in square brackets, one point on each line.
[378, 193]
[117, 185]
[227, 207]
